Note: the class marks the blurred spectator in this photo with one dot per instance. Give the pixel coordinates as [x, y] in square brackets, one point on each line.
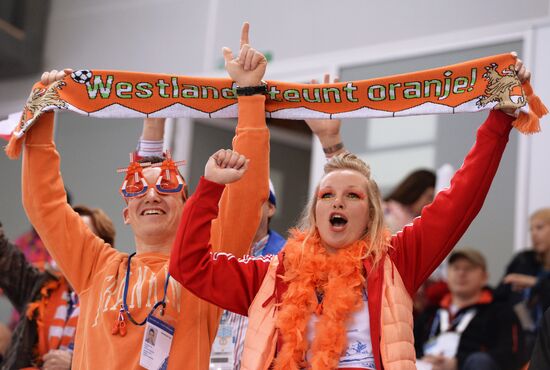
[401, 207]
[5, 334]
[540, 359]
[429, 295]
[228, 346]
[98, 222]
[468, 331]
[44, 336]
[526, 283]
[34, 250]
[406, 201]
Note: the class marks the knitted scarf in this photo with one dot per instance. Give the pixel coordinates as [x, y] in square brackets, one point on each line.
[327, 285]
[55, 329]
[480, 84]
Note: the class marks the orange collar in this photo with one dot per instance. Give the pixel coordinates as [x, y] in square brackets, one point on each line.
[485, 297]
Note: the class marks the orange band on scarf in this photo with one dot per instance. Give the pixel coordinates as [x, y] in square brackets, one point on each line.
[480, 84]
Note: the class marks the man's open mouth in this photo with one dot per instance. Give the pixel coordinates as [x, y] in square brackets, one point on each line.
[153, 212]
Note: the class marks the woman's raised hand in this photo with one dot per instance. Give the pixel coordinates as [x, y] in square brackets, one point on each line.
[225, 166]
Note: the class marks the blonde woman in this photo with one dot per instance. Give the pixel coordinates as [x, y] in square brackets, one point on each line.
[338, 296]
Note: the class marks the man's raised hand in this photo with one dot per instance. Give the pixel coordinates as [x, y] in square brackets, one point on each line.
[49, 77]
[248, 68]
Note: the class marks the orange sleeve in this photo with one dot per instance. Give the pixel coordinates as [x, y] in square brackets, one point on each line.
[77, 251]
[240, 206]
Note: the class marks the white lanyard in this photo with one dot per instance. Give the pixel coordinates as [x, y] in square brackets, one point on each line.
[465, 318]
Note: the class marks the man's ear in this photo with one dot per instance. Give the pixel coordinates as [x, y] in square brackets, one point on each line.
[485, 277]
[270, 210]
[125, 216]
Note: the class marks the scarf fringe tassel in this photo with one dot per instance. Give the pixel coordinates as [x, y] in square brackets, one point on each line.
[529, 123]
[14, 147]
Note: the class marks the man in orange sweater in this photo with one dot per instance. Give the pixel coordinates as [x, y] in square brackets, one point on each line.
[117, 292]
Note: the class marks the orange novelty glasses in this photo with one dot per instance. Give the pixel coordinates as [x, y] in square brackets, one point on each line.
[169, 181]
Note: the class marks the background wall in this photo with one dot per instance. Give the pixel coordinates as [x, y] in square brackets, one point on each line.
[289, 165]
[538, 173]
[304, 39]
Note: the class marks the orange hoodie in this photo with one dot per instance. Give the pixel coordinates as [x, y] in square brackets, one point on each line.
[97, 271]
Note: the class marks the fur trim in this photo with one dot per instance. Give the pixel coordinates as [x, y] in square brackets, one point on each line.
[309, 269]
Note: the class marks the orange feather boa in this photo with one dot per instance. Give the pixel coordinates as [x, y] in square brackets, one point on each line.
[310, 269]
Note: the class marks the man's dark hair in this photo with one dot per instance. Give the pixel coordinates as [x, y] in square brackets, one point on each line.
[152, 159]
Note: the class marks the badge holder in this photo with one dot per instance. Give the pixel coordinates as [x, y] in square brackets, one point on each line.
[222, 355]
[159, 330]
[446, 343]
[156, 344]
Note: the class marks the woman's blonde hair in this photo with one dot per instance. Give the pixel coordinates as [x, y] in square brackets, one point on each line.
[376, 235]
[541, 214]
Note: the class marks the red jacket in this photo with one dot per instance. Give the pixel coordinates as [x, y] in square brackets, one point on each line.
[417, 250]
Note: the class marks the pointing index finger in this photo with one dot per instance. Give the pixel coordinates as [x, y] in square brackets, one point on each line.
[244, 34]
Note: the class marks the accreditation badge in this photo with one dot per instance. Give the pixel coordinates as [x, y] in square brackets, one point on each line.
[157, 340]
[223, 348]
[445, 344]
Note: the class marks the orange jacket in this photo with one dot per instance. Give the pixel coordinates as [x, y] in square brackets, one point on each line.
[396, 322]
[97, 272]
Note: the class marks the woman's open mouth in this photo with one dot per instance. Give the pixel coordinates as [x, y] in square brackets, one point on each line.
[338, 221]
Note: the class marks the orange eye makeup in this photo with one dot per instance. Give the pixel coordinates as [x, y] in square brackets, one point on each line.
[323, 195]
[329, 194]
[356, 195]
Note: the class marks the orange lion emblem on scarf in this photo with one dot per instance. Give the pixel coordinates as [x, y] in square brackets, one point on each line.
[499, 88]
[39, 101]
